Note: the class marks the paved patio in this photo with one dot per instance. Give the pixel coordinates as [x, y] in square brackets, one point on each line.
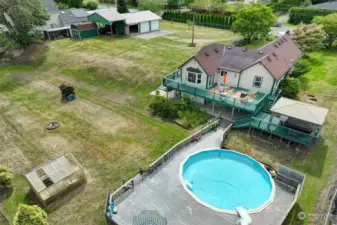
[162, 191]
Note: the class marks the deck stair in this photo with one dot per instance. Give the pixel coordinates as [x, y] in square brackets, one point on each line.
[267, 106]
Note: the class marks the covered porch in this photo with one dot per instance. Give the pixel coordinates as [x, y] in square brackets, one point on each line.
[291, 120]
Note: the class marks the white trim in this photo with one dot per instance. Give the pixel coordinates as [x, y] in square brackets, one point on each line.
[259, 209]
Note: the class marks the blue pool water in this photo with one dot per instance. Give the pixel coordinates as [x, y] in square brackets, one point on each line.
[227, 179]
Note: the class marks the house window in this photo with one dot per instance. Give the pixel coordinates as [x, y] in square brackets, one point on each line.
[223, 73]
[257, 81]
[199, 79]
[191, 77]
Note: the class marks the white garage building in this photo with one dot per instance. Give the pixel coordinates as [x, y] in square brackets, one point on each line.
[141, 22]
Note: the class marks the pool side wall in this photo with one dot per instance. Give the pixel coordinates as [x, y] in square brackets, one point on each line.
[266, 204]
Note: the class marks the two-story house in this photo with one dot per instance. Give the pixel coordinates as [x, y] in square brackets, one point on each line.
[248, 80]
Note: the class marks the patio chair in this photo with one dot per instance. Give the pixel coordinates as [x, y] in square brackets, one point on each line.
[251, 94]
[244, 216]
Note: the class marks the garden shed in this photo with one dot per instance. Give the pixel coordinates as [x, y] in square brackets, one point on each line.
[84, 30]
[55, 178]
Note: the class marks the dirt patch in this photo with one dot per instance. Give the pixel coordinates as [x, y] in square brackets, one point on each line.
[22, 121]
[44, 86]
[11, 154]
[4, 101]
[104, 120]
[55, 145]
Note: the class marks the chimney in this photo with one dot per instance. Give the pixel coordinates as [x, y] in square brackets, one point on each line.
[261, 52]
[244, 49]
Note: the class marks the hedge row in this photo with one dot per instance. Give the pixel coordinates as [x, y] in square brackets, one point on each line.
[305, 15]
[209, 20]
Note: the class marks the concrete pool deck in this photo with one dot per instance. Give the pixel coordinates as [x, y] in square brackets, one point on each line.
[162, 191]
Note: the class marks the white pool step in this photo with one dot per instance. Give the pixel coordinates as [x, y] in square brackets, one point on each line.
[244, 216]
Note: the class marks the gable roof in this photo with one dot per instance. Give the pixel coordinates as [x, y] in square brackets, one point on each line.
[50, 5]
[138, 17]
[277, 59]
[325, 5]
[300, 110]
[70, 16]
[110, 15]
[282, 54]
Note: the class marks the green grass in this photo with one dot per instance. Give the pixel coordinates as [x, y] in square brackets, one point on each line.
[322, 77]
[108, 128]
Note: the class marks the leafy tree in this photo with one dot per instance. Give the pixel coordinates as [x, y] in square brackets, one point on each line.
[290, 87]
[30, 215]
[152, 5]
[309, 37]
[121, 6]
[329, 24]
[75, 3]
[6, 177]
[21, 17]
[254, 21]
[92, 5]
[302, 67]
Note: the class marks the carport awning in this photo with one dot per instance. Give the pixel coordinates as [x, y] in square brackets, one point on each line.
[299, 110]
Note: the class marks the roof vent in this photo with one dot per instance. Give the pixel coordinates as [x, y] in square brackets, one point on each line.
[269, 58]
[275, 45]
[279, 43]
[216, 50]
[229, 47]
[206, 53]
[244, 49]
[285, 39]
[274, 54]
[261, 52]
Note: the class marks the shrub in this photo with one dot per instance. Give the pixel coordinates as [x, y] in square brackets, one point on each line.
[301, 67]
[30, 215]
[6, 177]
[151, 5]
[305, 15]
[290, 87]
[163, 107]
[92, 5]
[309, 37]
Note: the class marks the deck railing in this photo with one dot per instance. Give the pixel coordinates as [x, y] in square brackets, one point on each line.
[173, 81]
[279, 130]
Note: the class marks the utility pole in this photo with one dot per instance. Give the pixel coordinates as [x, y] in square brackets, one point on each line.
[193, 29]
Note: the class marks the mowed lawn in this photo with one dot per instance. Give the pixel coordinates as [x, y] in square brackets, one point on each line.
[318, 162]
[108, 128]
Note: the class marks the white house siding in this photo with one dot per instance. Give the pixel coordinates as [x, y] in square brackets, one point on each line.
[155, 25]
[127, 30]
[248, 75]
[197, 99]
[194, 64]
[231, 80]
[144, 27]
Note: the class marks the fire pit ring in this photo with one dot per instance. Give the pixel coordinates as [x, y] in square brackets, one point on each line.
[53, 125]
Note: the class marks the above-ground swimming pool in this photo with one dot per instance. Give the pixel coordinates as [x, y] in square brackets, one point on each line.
[224, 179]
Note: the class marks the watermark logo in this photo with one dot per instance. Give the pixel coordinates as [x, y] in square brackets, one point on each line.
[301, 215]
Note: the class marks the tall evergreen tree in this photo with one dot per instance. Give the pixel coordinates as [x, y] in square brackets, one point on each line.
[121, 6]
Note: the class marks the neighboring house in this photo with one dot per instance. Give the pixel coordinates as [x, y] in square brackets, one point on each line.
[73, 16]
[127, 23]
[326, 5]
[53, 12]
[247, 80]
